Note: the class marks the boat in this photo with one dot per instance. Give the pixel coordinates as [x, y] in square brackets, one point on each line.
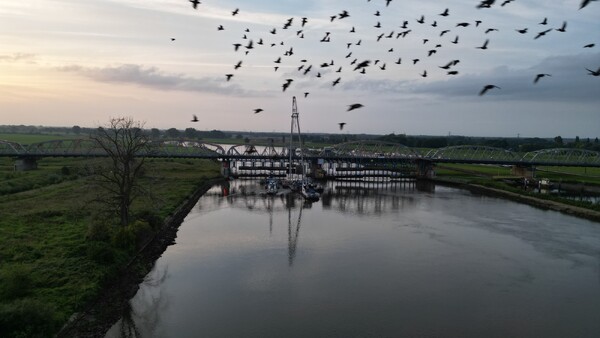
[309, 193]
[271, 185]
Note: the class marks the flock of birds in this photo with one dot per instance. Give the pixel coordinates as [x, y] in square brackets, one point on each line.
[323, 68]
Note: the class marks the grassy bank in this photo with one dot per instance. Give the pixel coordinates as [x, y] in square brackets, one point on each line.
[56, 252]
[494, 177]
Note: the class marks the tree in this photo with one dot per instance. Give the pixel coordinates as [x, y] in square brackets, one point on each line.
[172, 133]
[126, 144]
[190, 133]
[558, 140]
[76, 130]
[155, 133]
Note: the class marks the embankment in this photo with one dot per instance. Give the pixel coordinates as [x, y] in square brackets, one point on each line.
[113, 302]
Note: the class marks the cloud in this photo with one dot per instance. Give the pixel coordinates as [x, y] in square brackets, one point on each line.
[569, 81]
[152, 77]
[16, 57]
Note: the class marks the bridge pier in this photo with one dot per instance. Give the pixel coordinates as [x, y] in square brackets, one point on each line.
[523, 171]
[26, 164]
[226, 168]
[425, 169]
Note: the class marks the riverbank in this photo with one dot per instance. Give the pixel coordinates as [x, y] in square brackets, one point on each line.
[101, 314]
[59, 251]
[531, 200]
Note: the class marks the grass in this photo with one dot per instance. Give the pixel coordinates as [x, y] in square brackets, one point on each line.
[487, 175]
[48, 261]
[36, 138]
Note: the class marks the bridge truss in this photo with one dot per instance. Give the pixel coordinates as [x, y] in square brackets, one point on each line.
[382, 152]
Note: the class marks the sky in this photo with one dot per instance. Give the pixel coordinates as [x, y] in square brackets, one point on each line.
[67, 62]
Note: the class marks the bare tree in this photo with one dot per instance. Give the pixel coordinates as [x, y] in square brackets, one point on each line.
[126, 144]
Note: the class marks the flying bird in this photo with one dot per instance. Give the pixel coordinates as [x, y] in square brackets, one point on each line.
[235, 12]
[257, 110]
[539, 76]
[362, 64]
[445, 12]
[594, 73]
[585, 3]
[486, 88]
[424, 73]
[522, 31]
[354, 106]
[544, 22]
[484, 45]
[540, 34]
[563, 28]
[229, 76]
[590, 45]
[237, 65]
[194, 118]
[342, 124]
[195, 4]
[287, 83]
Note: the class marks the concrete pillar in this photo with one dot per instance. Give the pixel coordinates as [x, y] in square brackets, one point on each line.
[25, 164]
[226, 168]
[425, 169]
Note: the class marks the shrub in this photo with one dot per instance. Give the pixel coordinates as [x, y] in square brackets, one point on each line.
[28, 318]
[100, 252]
[15, 282]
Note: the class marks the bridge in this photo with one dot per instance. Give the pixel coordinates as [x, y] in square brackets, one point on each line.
[357, 159]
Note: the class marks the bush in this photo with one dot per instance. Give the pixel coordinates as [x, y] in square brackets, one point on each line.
[15, 282]
[28, 318]
[101, 253]
[151, 217]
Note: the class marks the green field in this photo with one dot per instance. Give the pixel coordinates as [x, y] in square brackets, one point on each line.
[35, 138]
[56, 251]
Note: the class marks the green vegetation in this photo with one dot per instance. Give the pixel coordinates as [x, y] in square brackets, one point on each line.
[58, 247]
[25, 139]
[497, 177]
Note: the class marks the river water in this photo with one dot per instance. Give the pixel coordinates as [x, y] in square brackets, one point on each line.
[394, 260]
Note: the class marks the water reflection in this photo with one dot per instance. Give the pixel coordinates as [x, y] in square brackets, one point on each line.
[403, 259]
[140, 317]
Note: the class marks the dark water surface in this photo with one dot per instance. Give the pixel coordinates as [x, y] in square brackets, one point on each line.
[401, 260]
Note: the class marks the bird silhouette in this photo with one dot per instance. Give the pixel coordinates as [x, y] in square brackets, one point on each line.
[486, 88]
[229, 76]
[594, 73]
[590, 45]
[287, 83]
[522, 31]
[235, 12]
[306, 94]
[462, 24]
[220, 28]
[421, 20]
[563, 28]
[195, 3]
[484, 45]
[424, 74]
[354, 106]
[539, 76]
[362, 64]
[490, 30]
[336, 81]
[258, 110]
[540, 34]
[237, 65]
[506, 2]
[452, 72]
[445, 12]
[194, 118]
[585, 3]
[342, 124]
[455, 41]
[544, 22]
[172, 39]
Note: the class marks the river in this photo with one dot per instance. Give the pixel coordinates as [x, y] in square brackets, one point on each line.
[377, 260]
